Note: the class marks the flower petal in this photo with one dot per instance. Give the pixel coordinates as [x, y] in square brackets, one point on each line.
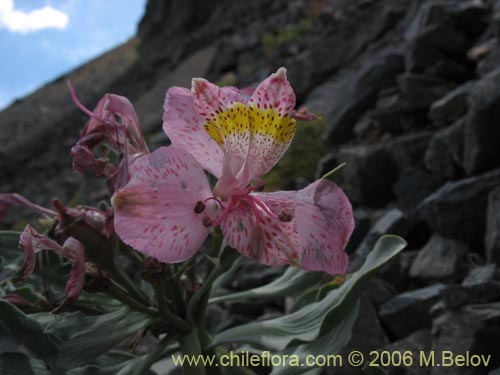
[184, 127]
[272, 126]
[270, 241]
[325, 222]
[32, 242]
[74, 250]
[155, 211]
[225, 119]
[7, 200]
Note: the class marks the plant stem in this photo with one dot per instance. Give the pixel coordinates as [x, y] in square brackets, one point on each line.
[119, 294]
[124, 280]
[169, 317]
[158, 352]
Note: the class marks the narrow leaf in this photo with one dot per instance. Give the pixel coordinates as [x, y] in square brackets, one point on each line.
[312, 321]
[28, 332]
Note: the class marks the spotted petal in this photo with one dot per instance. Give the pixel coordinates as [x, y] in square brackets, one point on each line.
[32, 242]
[155, 211]
[184, 127]
[324, 219]
[225, 119]
[269, 240]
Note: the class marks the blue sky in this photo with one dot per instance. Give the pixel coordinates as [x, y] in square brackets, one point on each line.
[42, 39]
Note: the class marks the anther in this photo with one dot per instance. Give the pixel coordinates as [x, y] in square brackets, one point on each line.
[199, 208]
[207, 222]
[285, 217]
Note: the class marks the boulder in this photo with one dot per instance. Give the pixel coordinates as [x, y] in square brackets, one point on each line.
[457, 209]
[440, 260]
[452, 106]
[492, 235]
[481, 285]
[372, 169]
[481, 152]
[410, 311]
[473, 328]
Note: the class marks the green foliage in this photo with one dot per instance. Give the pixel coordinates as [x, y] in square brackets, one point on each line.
[302, 157]
[323, 327]
[290, 34]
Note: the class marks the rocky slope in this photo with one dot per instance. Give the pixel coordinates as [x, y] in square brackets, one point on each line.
[410, 96]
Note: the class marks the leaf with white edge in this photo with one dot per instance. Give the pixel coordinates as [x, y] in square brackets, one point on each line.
[81, 339]
[337, 336]
[28, 332]
[293, 280]
[312, 321]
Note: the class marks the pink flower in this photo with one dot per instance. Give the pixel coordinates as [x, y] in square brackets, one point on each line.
[167, 208]
[114, 125]
[32, 242]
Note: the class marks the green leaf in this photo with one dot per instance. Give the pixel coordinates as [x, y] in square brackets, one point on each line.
[314, 320]
[293, 280]
[81, 339]
[28, 332]
[16, 363]
[329, 175]
[336, 337]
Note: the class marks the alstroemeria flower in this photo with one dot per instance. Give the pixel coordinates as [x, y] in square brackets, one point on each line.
[167, 207]
[114, 125]
[32, 242]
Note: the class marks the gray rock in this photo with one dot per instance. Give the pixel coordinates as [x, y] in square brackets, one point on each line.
[480, 286]
[452, 106]
[457, 210]
[438, 159]
[373, 169]
[380, 291]
[450, 70]
[344, 46]
[392, 222]
[473, 328]
[492, 236]
[480, 151]
[351, 92]
[454, 136]
[490, 61]
[412, 187]
[441, 259]
[367, 333]
[410, 311]
[420, 341]
[362, 223]
[423, 90]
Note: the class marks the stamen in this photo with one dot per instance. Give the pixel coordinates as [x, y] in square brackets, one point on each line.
[215, 199]
[207, 222]
[266, 209]
[78, 103]
[224, 214]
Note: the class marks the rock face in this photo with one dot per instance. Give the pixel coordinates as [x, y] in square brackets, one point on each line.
[409, 94]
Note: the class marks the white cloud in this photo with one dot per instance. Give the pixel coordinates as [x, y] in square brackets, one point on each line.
[18, 21]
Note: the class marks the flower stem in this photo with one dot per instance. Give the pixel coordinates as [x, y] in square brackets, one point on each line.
[124, 280]
[120, 295]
